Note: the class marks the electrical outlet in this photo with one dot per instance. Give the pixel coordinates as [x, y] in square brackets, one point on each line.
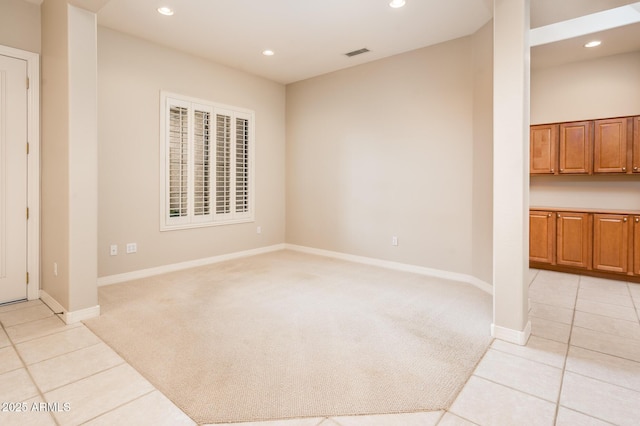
[394, 241]
[259, 230]
[113, 250]
[55, 269]
[132, 248]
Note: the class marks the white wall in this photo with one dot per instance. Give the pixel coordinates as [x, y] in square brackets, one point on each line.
[601, 88]
[131, 73]
[383, 149]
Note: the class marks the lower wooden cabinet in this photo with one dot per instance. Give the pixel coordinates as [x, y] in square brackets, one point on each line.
[611, 242]
[593, 243]
[573, 239]
[542, 231]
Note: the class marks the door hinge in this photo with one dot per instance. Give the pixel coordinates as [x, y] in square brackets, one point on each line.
[27, 213]
[27, 278]
[27, 83]
[27, 148]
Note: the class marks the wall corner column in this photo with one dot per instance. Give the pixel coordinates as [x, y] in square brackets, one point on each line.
[511, 171]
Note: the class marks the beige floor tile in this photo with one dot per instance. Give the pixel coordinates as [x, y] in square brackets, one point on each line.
[57, 344]
[604, 285]
[522, 374]
[487, 403]
[9, 360]
[16, 386]
[34, 329]
[617, 327]
[558, 278]
[409, 419]
[311, 421]
[73, 366]
[4, 339]
[586, 395]
[452, 420]
[537, 349]
[606, 343]
[550, 330]
[98, 394]
[549, 294]
[21, 305]
[19, 316]
[605, 297]
[607, 368]
[568, 417]
[153, 408]
[36, 414]
[606, 309]
[551, 313]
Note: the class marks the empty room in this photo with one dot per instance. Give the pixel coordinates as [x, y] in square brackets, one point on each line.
[319, 213]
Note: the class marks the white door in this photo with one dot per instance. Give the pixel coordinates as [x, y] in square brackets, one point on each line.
[13, 179]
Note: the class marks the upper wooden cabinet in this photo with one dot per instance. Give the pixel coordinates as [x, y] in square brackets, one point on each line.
[574, 239]
[611, 242]
[542, 236]
[636, 245]
[636, 144]
[610, 145]
[575, 147]
[543, 149]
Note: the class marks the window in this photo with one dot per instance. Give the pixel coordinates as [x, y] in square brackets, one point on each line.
[206, 163]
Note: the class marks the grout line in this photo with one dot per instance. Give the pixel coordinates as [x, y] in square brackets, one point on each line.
[566, 355]
[120, 406]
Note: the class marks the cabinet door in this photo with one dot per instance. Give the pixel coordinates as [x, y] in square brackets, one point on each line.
[636, 144]
[610, 242]
[610, 146]
[575, 147]
[636, 245]
[573, 242]
[543, 149]
[542, 233]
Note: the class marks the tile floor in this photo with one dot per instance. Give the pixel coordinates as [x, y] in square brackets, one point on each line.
[581, 366]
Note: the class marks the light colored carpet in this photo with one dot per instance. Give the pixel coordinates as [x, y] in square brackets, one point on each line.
[287, 334]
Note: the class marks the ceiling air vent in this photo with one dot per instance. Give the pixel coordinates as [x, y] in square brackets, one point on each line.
[357, 52]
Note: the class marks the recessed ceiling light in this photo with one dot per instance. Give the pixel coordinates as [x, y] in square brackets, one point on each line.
[397, 3]
[164, 10]
[268, 52]
[593, 43]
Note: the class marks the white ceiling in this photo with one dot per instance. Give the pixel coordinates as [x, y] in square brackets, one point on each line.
[310, 37]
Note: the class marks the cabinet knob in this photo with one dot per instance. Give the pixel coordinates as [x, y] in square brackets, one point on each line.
[549, 215]
[558, 215]
[624, 169]
[635, 169]
[552, 170]
[562, 170]
[637, 219]
[624, 220]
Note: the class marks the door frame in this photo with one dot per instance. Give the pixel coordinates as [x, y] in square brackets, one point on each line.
[33, 165]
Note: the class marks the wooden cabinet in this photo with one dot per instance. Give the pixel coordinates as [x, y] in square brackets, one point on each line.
[573, 240]
[542, 236]
[575, 147]
[636, 144]
[611, 242]
[610, 145]
[543, 149]
[636, 245]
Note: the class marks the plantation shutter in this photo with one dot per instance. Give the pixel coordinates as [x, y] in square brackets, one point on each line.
[223, 164]
[201, 148]
[242, 165]
[178, 161]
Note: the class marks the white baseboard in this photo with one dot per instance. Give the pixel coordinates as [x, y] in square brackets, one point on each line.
[69, 317]
[510, 335]
[438, 273]
[144, 273]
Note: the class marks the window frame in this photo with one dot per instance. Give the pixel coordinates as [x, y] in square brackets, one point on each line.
[212, 218]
